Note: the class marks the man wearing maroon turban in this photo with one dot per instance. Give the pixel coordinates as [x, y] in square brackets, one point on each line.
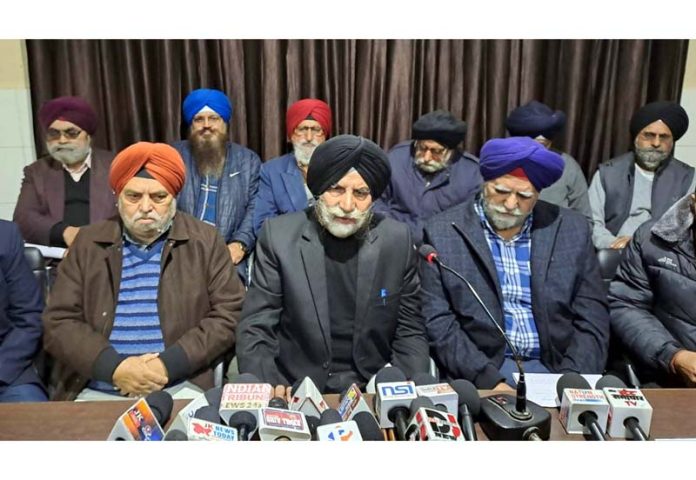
[144, 301]
[283, 180]
[628, 190]
[533, 265]
[67, 188]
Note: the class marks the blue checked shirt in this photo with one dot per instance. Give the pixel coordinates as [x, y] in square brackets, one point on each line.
[512, 262]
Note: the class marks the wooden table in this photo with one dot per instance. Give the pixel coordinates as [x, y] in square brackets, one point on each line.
[672, 418]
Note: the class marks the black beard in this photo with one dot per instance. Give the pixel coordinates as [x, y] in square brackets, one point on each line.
[209, 153]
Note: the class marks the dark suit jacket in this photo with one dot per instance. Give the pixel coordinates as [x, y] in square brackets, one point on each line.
[42, 197]
[284, 334]
[281, 190]
[568, 296]
[20, 311]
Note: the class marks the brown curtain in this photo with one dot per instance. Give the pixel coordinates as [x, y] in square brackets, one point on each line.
[376, 88]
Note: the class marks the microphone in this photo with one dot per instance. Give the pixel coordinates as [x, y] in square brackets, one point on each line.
[142, 421]
[277, 423]
[307, 398]
[175, 435]
[352, 403]
[442, 394]
[368, 426]
[469, 407]
[583, 410]
[332, 428]
[210, 397]
[393, 399]
[245, 393]
[206, 425]
[504, 417]
[628, 409]
[245, 422]
[278, 402]
[430, 424]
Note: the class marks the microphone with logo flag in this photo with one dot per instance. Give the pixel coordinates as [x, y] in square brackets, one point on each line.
[210, 397]
[469, 407]
[206, 425]
[244, 394]
[332, 428]
[277, 423]
[629, 411]
[583, 410]
[442, 394]
[393, 400]
[144, 419]
[307, 398]
[429, 424]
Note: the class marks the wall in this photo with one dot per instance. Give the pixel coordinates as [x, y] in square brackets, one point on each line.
[16, 136]
[686, 147]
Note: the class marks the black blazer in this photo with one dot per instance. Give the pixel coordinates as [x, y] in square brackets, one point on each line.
[284, 334]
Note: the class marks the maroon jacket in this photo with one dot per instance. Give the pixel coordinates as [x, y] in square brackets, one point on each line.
[42, 197]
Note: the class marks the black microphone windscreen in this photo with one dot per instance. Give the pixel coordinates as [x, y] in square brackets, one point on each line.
[312, 423]
[208, 413]
[246, 378]
[278, 402]
[213, 396]
[421, 402]
[610, 381]
[368, 426]
[468, 395]
[388, 375]
[175, 435]
[426, 250]
[242, 418]
[161, 403]
[329, 416]
[570, 380]
[424, 379]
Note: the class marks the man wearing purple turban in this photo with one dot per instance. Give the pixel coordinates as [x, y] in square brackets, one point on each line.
[69, 187]
[532, 263]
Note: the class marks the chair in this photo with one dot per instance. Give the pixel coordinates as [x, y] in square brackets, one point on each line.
[609, 260]
[39, 268]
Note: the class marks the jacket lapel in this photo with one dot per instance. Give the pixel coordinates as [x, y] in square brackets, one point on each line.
[368, 258]
[54, 187]
[312, 252]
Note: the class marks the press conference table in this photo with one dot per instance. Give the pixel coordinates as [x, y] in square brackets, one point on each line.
[673, 417]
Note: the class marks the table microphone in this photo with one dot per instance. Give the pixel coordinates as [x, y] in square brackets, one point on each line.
[583, 410]
[505, 417]
[628, 409]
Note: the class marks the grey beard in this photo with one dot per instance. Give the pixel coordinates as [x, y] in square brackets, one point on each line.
[433, 167]
[649, 158]
[324, 215]
[500, 222]
[303, 153]
[68, 155]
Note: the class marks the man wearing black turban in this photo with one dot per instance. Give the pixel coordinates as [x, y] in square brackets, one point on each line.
[334, 290]
[641, 184]
[430, 172]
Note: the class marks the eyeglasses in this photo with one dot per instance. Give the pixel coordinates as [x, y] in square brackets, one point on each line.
[55, 134]
[360, 194]
[435, 152]
[212, 119]
[316, 131]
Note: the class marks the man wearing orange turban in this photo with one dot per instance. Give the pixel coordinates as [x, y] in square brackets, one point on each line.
[283, 180]
[144, 300]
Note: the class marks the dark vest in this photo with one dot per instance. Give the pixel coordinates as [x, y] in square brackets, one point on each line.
[671, 182]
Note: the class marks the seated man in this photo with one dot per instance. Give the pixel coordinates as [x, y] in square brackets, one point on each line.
[68, 188]
[283, 180]
[221, 176]
[640, 185]
[539, 122]
[20, 321]
[430, 173]
[533, 265]
[145, 301]
[652, 298]
[335, 293]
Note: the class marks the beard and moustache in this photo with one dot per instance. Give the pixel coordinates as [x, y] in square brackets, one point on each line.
[650, 158]
[209, 149]
[148, 231]
[326, 216]
[303, 151]
[496, 217]
[68, 154]
[433, 165]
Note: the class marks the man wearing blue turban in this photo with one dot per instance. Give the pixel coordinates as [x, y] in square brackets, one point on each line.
[221, 176]
[532, 263]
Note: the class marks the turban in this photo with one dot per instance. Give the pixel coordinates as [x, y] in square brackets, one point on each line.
[439, 126]
[308, 107]
[534, 119]
[71, 109]
[202, 97]
[160, 160]
[520, 156]
[672, 114]
[334, 158]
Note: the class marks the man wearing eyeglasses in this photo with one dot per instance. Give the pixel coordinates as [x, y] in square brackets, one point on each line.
[69, 187]
[430, 173]
[282, 184]
[642, 184]
[533, 265]
[335, 293]
[221, 176]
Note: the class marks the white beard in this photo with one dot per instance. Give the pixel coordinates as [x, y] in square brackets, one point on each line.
[327, 218]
